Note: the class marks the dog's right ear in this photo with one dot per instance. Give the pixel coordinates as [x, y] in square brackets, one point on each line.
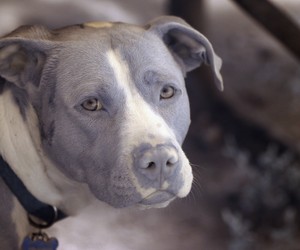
[189, 47]
[23, 53]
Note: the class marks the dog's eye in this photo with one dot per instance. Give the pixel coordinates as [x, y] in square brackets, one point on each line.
[167, 92]
[92, 104]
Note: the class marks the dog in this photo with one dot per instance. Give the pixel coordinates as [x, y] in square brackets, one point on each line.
[96, 111]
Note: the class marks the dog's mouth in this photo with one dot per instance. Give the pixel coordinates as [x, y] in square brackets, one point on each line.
[158, 199]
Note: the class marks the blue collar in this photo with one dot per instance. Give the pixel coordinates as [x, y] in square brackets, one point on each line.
[45, 213]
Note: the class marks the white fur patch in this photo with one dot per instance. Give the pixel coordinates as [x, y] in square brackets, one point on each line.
[20, 146]
[141, 119]
[19, 218]
[19, 150]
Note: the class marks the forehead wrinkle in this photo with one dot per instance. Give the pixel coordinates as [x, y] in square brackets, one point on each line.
[137, 109]
[146, 52]
[90, 71]
[133, 99]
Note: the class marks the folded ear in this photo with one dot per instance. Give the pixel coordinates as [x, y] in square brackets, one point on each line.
[22, 55]
[189, 47]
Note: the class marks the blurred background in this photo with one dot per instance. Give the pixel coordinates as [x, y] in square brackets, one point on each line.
[244, 143]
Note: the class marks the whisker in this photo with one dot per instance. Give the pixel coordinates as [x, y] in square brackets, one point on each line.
[197, 187]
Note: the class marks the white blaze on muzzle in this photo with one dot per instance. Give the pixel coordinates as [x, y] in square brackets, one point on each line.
[142, 125]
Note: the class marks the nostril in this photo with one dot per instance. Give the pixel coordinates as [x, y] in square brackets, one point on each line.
[151, 165]
[172, 161]
[170, 164]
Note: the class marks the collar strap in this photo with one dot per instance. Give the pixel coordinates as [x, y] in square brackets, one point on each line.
[46, 213]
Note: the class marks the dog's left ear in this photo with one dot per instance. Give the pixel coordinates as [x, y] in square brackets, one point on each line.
[22, 55]
[189, 47]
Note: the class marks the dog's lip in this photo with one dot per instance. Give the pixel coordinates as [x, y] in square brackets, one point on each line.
[157, 197]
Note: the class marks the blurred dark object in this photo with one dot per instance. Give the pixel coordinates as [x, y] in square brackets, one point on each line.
[278, 23]
[258, 195]
[208, 102]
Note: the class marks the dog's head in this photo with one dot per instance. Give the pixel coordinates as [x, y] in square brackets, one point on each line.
[111, 102]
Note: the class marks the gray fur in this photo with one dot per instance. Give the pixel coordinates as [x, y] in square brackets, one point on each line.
[56, 71]
[8, 236]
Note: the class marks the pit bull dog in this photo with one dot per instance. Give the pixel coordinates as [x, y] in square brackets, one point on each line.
[96, 111]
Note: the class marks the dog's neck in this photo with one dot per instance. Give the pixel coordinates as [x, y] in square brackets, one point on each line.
[14, 224]
[20, 146]
[21, 152]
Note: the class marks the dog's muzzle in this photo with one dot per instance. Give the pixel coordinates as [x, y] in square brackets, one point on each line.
[157, 170]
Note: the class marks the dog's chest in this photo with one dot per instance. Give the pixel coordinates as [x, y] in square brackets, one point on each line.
[9, 237]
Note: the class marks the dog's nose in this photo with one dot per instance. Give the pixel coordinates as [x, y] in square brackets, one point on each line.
[156, 163]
